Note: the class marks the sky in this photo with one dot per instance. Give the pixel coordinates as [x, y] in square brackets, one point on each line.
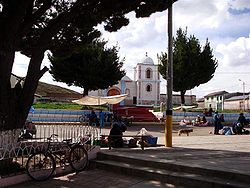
[226, 24]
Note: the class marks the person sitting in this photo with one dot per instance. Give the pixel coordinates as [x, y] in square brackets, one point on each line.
[238, 128]
[204, 120]
[198, 119]
[29, 130]
[242, 120]
[185, 121]
[116, 132]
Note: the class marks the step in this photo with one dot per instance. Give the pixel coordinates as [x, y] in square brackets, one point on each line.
[175, 166]
[176, 178]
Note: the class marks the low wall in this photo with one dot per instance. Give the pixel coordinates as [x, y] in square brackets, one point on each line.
[47, 115]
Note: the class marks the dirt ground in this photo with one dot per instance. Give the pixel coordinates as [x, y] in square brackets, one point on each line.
[158, 129]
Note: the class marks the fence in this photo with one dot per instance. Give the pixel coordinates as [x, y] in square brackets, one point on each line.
[14, 154]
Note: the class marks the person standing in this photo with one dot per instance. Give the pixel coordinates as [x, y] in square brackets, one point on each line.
[101, 117]
[242, 120]
[216, 122]
[92, 118]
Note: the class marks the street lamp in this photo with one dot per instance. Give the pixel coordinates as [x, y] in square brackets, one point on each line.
[243, 83]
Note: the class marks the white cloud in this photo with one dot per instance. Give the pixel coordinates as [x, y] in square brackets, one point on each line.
[205, 14]
[236, 53]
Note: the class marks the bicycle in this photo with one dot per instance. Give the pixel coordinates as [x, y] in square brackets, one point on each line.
[41, 165]
[83, 118]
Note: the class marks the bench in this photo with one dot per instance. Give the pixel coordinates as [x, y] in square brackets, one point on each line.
[139, 137]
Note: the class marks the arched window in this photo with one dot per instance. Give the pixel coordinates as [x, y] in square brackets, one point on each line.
[148, 88]
[148, 73]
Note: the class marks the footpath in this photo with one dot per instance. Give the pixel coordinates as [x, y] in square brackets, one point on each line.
[214, 152]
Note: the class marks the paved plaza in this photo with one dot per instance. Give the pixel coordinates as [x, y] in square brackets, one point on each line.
[201, 149]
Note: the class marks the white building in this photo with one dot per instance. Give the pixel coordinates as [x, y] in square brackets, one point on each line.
[144, 90]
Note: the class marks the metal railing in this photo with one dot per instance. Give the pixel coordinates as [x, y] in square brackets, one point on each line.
[14, 154]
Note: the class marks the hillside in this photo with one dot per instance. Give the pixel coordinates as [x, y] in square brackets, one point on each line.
[45, 89]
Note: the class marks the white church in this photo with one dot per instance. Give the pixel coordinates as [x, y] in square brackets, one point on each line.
[144, 90]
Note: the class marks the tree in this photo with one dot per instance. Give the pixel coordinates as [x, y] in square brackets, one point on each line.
[34, 26]
[192, 65]
[92, 67]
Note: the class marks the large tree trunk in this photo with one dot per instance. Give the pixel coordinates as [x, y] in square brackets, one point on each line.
[16, 102]
[183, 97]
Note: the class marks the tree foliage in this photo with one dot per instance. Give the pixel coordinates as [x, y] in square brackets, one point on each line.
[34, 26]
[192, 64]
[92, 67]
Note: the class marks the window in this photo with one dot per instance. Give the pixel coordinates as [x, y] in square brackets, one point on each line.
[148, 73]
[148, 88]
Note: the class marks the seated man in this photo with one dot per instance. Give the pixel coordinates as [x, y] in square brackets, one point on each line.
[116, 132]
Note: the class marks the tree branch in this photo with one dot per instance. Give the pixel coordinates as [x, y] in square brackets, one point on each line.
[30, 19]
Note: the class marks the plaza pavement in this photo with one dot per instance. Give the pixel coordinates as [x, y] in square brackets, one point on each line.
[218, 152]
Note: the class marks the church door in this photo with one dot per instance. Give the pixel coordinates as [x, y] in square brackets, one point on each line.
[113, 92]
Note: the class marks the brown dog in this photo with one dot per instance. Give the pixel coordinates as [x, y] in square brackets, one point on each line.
[185, 131]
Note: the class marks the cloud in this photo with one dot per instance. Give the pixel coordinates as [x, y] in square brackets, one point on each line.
[206, 14]
[236, 53]
[239, 4]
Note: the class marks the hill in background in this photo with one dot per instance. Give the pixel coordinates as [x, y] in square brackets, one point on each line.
[48, 93]
[45, 89]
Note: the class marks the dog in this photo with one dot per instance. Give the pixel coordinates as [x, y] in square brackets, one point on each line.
[185, 131]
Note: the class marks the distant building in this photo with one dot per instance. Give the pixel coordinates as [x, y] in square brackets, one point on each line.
[222, 100]
[238, 102]
[201, 103]
[215, 100]
[176, 99]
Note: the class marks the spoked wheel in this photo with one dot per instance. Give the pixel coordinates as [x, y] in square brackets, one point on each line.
[78, 158]
[82, 118]
[40, 166]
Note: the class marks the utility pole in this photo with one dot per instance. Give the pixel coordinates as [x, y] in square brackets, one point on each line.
[243, 83]
[169, 73]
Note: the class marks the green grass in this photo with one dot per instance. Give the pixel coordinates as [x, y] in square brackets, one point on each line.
[69, 106]
[57, 106]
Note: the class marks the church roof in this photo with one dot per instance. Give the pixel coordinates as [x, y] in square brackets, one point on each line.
[126, 78]
[147, 60]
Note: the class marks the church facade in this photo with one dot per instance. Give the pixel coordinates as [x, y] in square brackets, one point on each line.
[143, 90]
